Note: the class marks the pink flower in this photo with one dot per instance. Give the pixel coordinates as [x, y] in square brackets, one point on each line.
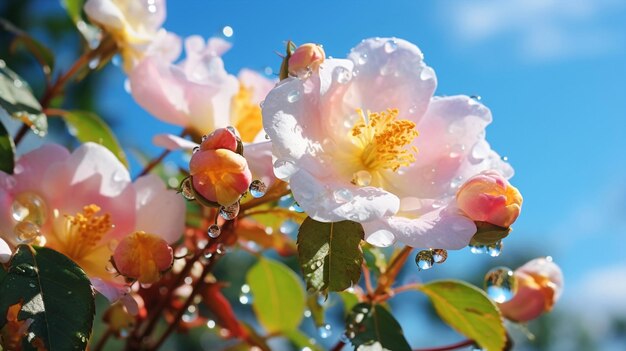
[132, 24]
[488, 197]
[197, 93]
[306, 58]
[82, 204]
[363, 139]
[218, 172]
[540, 284]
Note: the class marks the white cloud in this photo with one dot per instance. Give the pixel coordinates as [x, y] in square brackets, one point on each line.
[538, 29]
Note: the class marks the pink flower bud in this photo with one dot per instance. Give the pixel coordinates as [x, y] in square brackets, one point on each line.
[143, 256]
[539, 286]
[488, 197]
[306, 57]
[219, 173]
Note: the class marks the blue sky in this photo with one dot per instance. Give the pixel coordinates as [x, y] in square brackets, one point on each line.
[553, 73]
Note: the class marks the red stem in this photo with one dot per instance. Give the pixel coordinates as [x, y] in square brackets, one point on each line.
[458, 345]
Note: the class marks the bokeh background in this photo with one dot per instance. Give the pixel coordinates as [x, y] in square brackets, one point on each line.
[553, 72]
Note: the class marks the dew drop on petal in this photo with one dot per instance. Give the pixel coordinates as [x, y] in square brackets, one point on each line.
[257, 188]
[343, 195]
[186, 190]
[456, 182]
[456, 150]
[391, 46]
[230, 212]
[342, 75]
[214, 231]
[495, 249]
[362, 59]
[293, 96]
[26, 231]
[325, 331]
[245, 296]
[501, 284]
[438, 204]
[427, 73]
[283, 169]
[30, 207]
[362, 178]
[440, 255]
[424, 259]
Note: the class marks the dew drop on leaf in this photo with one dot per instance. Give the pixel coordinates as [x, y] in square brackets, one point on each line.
[325, 331]
[501, 284]
[245, 296]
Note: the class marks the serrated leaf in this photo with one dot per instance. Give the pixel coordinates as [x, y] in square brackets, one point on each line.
[54, 293]
[87, 126]
[469, 311]
[370, 324]
[488, 234]
[7, 151]
[278, 295]
[18, 100]
[330, 254]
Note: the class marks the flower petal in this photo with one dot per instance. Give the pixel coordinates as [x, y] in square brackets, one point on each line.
[173, 142]
[159, 211]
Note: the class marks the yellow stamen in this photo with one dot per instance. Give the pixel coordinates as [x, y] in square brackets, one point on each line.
[246, 114]
[384, 140]
[84, 231]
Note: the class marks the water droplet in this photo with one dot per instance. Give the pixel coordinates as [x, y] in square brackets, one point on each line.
[440, 255]
[424, 259]
[501, 284]
[93, 64]
[362, 178]
[230, 212]
[456, 183]
[307, 313]
[343, 75]
[117, 60]
[478, 249]
[283, 169]
[289, 227]
[505, 158]
[214, 231]
[476, 97]
[438, 204]
[30, 207]
[190, 315]
[257, 188]
[186, 189]
[480, 150]
[343, 195]
[195, 149]
[220, 249]
[296, 207]
[391, 46]
[456, 150]
[18, 83]
[32, 285]
[293, 96]
[228, 31]
[362, 59]
[26, 231]
[210, 324]
[245, 296]
[325, 331]
[494, 249]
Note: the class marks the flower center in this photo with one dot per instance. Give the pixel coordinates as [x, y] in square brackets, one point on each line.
[246, 114]
[385, 140]
[83, 232]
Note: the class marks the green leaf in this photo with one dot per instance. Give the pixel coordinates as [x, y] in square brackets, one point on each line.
[43, 55]
[468, 310]
[53, 293]
[488, 234]
[317, 310]
[369, 324]
[349, 300]
[87, 126]
[330, 255]
[18, 100]
[301, 340]
[7, 151]
[279, 298]
[375, 258]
